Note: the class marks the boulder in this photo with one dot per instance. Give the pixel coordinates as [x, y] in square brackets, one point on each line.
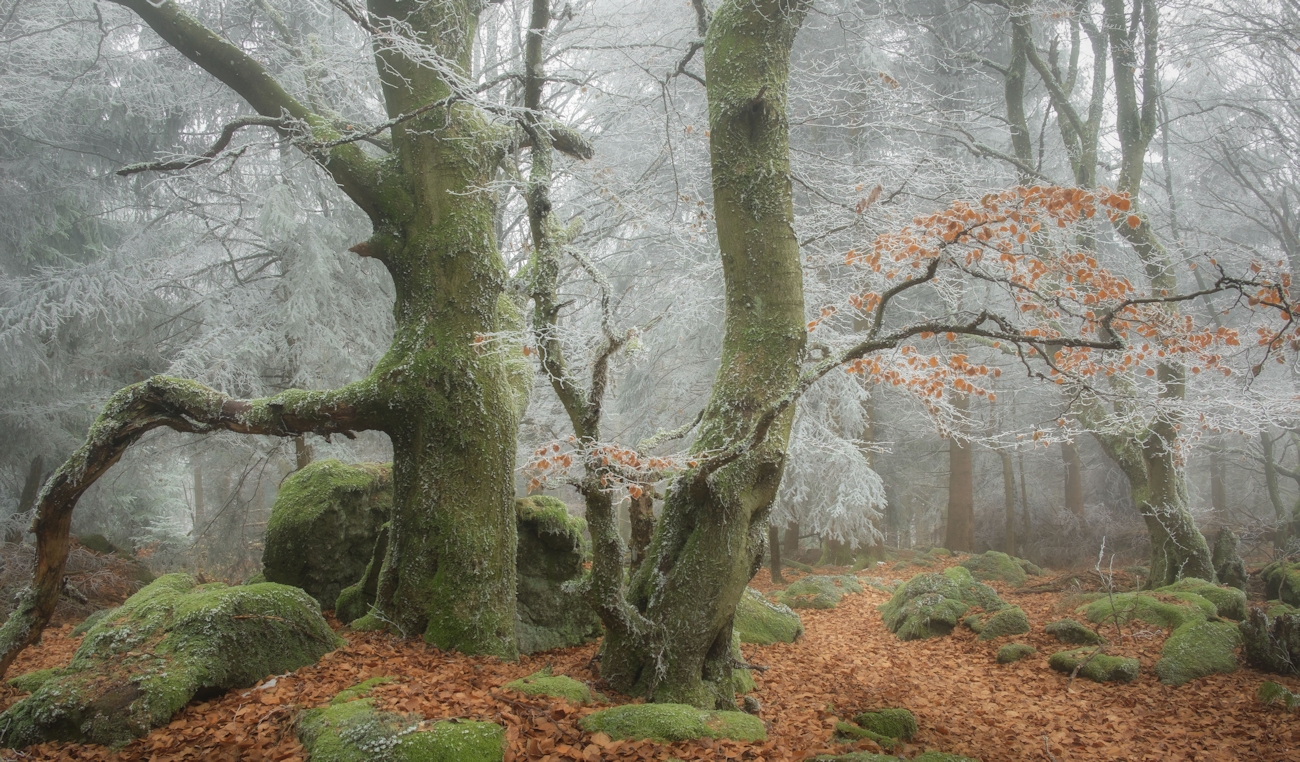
[1170, 611]
[1013, 652]
[994, 565]
[1101, 668]
[355, 600]
[1228, 564]
[350, 729]
[1282, 582]
[1070, 631]
[818, 591]
[1271, 639]
[760, 621]
[552, 611]
[930, 605]
[666, 723]
[323, 526]
[173, 639]
[1007, 621]
[890, 723]
[543, 683]
[1197, 650]
[1229, 602]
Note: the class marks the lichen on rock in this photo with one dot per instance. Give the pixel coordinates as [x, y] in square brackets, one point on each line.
[762, 622]
[818, 591]
[169, 641]
[666, 723]
[552, 610]
[1099, 667]
[323, 526]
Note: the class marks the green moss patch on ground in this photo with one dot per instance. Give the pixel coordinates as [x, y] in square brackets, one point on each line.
[1101, 668]
[930, 605]
[1014, 652]
[762, 622]
[1074, 633]
[543, 683]
[672, 722]
[1008, 621]
[1166, 610]
[1229, 602]
[1197, 650]
[818, 591]
[174, 638]
[891, 723]
[996, 566]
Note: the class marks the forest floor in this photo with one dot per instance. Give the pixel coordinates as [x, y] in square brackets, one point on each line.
[847, 662]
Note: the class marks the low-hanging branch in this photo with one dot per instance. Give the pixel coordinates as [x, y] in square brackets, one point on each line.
[159, 402]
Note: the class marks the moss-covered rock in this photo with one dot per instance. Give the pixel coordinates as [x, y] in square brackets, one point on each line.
[1228, 564]
[95, 618]
[552, 610]
[760, 621]
[30, 682]
[1271, 640]
[848, 732]
[98, 543]
[996, 566]
[323, 526]
[818, 591]
[672, 722]
[166, 643]
[1101, 668]
[1282, 582]
[362, 689]
[356, 599]
[1013, 652]
[1168, 610]
[1007, 621]
[1197, 650]
[351, 730]
[972, 592]
[891, 723]
[1229, 602]
[1074, 633]
[930, 605]
[544, 683]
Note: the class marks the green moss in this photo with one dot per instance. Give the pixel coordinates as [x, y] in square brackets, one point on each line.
[927, 606]
[98, 543]
[454, 741]
[355, 600]
[891, 723]
[818, 591]
[762, 622]
[847, 731]
[361, 690]
[1101, 668]
[92, 620]
[1271, 642]
[941, 756]
[996, 566]
[673, 722]
[1199, 649]
[1070, 631]
[1007, 621]
[552, 608]
[137, 667]
[31, 681]
[1013, 652]
[857, 756]
[972, 592]
[1170, 610]
[323, 525]
[1229, 602]
[1282, 582]
[543, 683]
[256, 579]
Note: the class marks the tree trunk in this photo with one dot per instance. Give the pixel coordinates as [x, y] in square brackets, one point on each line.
[1218, 478]
[200, 514]
[642, 515]
[302, 453]
[1280, 533]
[792, 539]
[710, 538]
[27, 498]
[774, 549]
[1073, 478]
[1009, 496]
[1024, 500]
[961, 491]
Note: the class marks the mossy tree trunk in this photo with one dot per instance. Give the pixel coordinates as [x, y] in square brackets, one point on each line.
[711, 535]
[450, 407]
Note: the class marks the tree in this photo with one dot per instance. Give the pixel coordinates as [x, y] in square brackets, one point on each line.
[449, 403]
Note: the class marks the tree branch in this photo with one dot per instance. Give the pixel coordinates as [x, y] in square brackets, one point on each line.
[130, 413]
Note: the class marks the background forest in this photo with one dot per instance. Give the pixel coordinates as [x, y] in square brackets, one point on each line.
[236, 273]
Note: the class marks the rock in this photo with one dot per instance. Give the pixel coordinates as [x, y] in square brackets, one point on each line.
[1272, 640]
[996, 566]
[1282, 582]
[166, 643]
[1197, 650]
[1169, 610]
[543, 683]
[666, 723]
[1228, 565]
[1070, 631]
[1013, 652]
[1007, 621]
[930, 605]
[350, 729]
[848, 732]
[763, 622]
[98, 543]
[750, 705]
[891, 723]
[1229, 602]
[552, 611]
[355, 600]
[1102, 668]
[323, 526]
[818, 591]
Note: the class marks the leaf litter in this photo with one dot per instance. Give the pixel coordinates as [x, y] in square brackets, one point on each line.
[847, 662]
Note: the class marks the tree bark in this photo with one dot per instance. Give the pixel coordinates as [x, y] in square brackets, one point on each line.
[1073, 478]
[961, 492]
[27, 498]
[774, 550]
[1009, 498]
[642, 516]
[710, 538]
[1024, 499]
